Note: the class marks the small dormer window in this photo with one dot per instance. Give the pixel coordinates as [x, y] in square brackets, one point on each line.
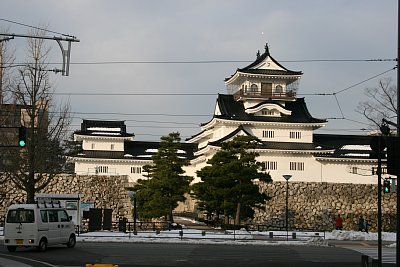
[253, 88]
[279, 89]
[267, 112]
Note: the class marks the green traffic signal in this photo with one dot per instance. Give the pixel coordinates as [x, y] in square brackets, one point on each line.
[21, 136]
[21, 143]
[386, 186]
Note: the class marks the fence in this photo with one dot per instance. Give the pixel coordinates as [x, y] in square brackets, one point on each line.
[163, 230]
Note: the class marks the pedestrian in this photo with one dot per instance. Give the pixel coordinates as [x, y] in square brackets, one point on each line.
[361, 224]
[366, 226]
[339, 222]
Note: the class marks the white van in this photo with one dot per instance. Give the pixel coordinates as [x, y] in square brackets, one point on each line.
[38, 225]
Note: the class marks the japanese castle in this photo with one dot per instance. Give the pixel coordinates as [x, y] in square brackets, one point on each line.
[261, 101]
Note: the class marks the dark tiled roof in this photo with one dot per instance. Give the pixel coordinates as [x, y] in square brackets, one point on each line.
[140, 149]
[234, 110]
[100, 154]
[329, 145]
[345, 145]
[334, 141]
[87, 128]
[103, 124]
[270, 72]
[249, 69]
[266, 145]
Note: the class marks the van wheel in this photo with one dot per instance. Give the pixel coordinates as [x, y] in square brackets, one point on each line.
[71, 241]
[11, 248]
[42, 244]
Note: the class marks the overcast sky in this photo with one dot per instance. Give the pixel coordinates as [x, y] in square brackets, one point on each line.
[143, 33]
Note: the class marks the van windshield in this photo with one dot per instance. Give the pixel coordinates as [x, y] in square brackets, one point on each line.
[20, 216]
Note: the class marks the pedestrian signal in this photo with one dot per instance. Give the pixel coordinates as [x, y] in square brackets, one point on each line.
[22, 136]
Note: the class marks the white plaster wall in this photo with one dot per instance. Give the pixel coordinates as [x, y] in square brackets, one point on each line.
[103, 144]
[114, 168]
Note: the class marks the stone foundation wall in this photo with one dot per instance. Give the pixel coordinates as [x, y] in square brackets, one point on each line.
[316, 205]
[311, 205]
[104, 191]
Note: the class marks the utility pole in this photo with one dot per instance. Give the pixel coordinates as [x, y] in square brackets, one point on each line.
[66, 53]
[398, 136]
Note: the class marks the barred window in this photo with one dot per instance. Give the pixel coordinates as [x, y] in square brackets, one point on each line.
[268, 134]
[136, 169]
[268, 112]
[269, 165]
[102, 169]
[296, 166]
[295, 135]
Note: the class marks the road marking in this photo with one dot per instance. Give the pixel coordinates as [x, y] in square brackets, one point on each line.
[6, 262]
[27, 259]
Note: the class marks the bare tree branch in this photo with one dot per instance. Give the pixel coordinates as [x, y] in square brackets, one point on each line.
[33, 167]
[382, 103]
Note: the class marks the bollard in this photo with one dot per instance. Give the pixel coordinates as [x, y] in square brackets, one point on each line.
[271, 234]
[294, 235]
[157, 232]
[203, 233]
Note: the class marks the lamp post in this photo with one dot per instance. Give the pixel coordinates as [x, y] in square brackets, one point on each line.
[132, 194]
[287, 177]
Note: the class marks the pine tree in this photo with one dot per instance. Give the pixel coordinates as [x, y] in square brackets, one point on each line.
[166, 185]
[228, 183]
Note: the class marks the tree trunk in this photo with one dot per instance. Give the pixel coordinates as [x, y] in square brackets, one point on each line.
[237, 218]
[171, 217]
[30, 192]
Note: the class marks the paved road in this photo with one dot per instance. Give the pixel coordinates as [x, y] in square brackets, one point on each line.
[370, 248]
[193, 255]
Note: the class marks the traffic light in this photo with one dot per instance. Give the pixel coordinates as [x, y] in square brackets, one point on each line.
[21, 136]
[393, 155]
[386, 186]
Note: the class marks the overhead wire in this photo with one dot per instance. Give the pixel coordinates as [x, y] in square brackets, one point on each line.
[196, 62]
[34, 27]
[212, 61]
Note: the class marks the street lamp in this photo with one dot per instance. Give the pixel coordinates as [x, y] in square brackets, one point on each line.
[287, 177]
[132, 194]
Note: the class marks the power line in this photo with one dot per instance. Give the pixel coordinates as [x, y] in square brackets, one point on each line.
[37, 28]
[137, 94]
[373, 77]
[212, 94]
[141, 114]
[219, 61]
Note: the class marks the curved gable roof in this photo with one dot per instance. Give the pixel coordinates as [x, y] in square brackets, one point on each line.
[254, 68]
[235, 110]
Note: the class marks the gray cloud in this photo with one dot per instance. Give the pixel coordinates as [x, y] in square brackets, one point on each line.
[209, 30]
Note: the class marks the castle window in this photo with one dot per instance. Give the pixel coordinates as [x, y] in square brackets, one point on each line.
[136, 170]
[268, 134]
[102, 169]
[269, 165]
[354, 170]
[253, 88]
[295, 135]
[296, 166]
[93, 145]
[268, 112]
[112, 146]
